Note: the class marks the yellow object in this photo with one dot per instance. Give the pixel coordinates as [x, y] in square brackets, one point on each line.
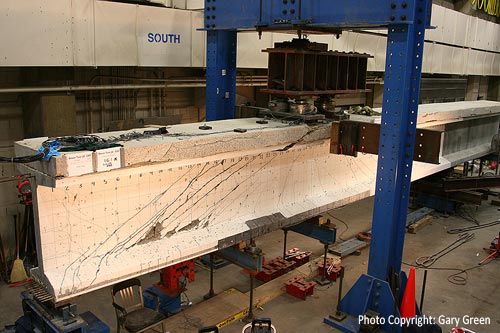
[491, 7]
[18, 272]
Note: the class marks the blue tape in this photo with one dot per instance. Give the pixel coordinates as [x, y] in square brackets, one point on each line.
[53, 147]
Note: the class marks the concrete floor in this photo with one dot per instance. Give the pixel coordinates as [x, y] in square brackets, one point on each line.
[478, 298]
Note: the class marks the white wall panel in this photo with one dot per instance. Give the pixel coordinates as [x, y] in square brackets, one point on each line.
[35, 31]
[445, 63]
[380, 54]
[460, 29]
[496, 65]
[371, 44]
[188, 4]
[195, 4]
[437, 20]
[198, 41]
[471, 31]
[162, 40]
[436, 56]
[459, 61]
[115, 39]
[83, 32]
[342, 44]
[488, 68]
[481, 39]
[448, 26]
[475, 62]
[492, 36]
[249, 53]
[99, 33]
[427, 60]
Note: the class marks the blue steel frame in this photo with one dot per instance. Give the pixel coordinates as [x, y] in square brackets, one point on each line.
[221, 74]
[406, 21]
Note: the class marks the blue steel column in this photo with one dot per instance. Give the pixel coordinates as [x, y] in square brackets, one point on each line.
[221, 74]
[405, 44]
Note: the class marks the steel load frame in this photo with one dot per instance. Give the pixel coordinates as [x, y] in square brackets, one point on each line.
[406, 21]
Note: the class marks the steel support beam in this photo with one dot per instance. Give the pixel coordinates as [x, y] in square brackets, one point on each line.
[316, 15]
[324, 234]
[250, 261]
[470, 183]
[221, 75]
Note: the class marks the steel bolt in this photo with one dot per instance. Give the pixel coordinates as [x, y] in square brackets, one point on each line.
[403, 17]
[284, 12]
[393, 5]
[392, 18]
[292, 11]
[404, 5]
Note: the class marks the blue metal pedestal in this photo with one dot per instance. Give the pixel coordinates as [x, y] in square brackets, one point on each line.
[405, 46]
[169, 305]
[368, 293]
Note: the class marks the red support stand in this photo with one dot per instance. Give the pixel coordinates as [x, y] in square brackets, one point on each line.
[332, 270]
[278, 266]
[173, 279]
[494, 250]
[299, 288]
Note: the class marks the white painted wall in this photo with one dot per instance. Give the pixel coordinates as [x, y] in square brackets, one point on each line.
[99, 33]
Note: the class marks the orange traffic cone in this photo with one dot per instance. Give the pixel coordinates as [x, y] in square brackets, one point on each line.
[409, 305]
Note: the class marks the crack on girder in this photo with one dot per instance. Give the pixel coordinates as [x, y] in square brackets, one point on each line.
[299, 140]
[153, 234]
[192, 225]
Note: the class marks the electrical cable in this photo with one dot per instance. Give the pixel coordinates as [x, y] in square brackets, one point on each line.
[427, 261]
[460, 278]
[26, 159]
[475, 227]
[467, 215]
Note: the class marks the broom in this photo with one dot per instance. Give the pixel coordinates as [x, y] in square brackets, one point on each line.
[18, 272]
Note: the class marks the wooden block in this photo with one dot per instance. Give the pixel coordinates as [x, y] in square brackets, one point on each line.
[419, 224]
[495, 202]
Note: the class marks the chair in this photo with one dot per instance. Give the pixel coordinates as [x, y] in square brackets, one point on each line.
[131, 314]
